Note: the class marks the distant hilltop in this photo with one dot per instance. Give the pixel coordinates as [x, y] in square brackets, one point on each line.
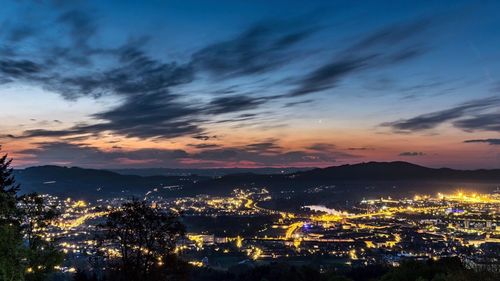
[398, 170]
[210, 172]
[82, 182]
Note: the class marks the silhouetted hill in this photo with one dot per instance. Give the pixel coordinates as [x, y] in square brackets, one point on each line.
[89, 183]
[379, 171]
[212, 172]
[101, 183]
[382, 176]
[395, 171]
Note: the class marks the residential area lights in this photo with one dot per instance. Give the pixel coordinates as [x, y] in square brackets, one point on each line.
[369, 231]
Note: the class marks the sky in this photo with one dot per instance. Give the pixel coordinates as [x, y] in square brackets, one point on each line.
[202, 84]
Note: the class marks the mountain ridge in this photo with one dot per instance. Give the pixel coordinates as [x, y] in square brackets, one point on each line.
[80, 181]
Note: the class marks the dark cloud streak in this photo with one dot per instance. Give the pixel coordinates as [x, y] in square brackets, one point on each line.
[488, 141]
[431, 120]
[411, 153]
[391, 45]
[258, 154]
[261, 48]
[480, 122]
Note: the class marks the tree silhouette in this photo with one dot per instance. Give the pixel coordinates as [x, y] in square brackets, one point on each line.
[137, 242]
[12, 266]
[23, 217]
[42, 254]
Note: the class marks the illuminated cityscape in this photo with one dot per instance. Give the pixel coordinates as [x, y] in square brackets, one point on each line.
[371, 231]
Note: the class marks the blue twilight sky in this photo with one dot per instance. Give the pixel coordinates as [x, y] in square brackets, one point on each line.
[250, 83]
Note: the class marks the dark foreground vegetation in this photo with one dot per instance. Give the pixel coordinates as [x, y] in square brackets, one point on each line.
[137, 243]
[24, 253]
[449, 269]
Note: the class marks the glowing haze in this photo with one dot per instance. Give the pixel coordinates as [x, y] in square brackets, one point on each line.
[109, 84]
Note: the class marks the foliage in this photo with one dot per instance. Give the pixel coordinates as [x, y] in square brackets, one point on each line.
[42, 255]
[442, 270]
[12, 266]
[271, 272]
[24, 254]
[11, 250]
[143, 239]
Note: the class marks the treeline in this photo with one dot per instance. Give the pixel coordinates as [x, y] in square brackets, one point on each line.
[447, 269]
[25, 252]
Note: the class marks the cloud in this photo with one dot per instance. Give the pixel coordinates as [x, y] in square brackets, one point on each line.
[149, 109]
[434, 119]
[135, 73]
[203, 137]
[321, 147]
[327, 76]
[204, 145]
[14, 69]
[151, 105]
[268, 146]
[360, 148]
[391, 35]
[61, 153]
[411, 153]
[148, 116]
[7, 136]
[391, 45]
[480, 122]
[261, 48]
[235, 155]
[80, 28]
[43, 59]
[488, 141]
[300, 102]
[253, 155]
[239, 118]
[154, 102]
[159, 121]
[231, 104]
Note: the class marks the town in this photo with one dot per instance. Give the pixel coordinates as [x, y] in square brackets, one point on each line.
[240, 229]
